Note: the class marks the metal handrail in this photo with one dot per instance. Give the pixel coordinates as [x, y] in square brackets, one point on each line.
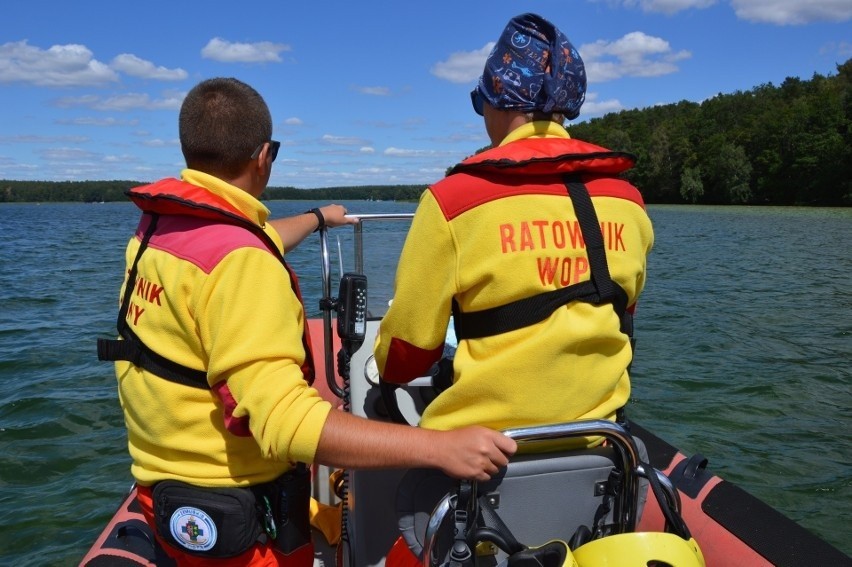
[327, 305]
[328, 300]
[670, 493]
[626, 505]
[617, 436]
[359, 232]
[436, 518]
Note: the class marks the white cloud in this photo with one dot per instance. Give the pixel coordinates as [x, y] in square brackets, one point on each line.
[69, 65]
[91, 121]
[779, 12]
[793, 12]
[409, 153]
[136, 67]
[124, 158]
[592, 107]
[132, 101]
[343, 141]
[158, 143]
[842, 49]
[293, 121]
[123, 102]
[376, 91]
[634, 55]
[35, 139]
[224, 51]
[67, 154]
[367, 150]
[71, 101]
[476, 135]
[463, 66]
[668, 6]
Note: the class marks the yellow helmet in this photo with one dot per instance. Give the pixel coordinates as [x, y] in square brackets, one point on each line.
[637, 549]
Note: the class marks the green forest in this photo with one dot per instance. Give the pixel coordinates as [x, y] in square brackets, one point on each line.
[789, 144]
[784, 145]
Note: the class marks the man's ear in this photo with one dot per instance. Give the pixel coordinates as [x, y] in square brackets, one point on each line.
[263, 164]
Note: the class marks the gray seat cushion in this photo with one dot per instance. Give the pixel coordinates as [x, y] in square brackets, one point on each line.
[539, 497]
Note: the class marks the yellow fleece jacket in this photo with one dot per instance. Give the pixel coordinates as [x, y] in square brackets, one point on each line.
[212, 297]
[502, 228]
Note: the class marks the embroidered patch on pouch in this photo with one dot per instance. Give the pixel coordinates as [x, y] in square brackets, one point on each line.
[193, 529]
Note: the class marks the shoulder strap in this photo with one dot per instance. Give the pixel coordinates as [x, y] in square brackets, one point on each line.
[592, 237]
[131, 348]
[530, 310]
[134, 350]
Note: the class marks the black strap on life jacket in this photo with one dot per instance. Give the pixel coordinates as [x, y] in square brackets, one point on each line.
[134, 350]
[598, 290]
[131, 348]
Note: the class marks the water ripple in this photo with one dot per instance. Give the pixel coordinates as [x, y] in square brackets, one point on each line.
[744, 334]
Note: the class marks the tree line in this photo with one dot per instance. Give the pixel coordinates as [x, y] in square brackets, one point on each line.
[107, 191]
[784, 145]
[360, 193]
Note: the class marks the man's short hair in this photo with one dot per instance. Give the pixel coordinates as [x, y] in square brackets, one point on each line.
[222, 121]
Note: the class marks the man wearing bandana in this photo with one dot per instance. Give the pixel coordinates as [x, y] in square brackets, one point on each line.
[537, 249]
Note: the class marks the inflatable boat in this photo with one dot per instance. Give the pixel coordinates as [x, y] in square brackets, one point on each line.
[632, 500]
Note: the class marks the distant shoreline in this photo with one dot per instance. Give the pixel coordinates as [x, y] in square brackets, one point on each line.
[114, 192]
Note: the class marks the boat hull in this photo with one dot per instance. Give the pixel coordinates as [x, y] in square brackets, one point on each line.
[731, 526]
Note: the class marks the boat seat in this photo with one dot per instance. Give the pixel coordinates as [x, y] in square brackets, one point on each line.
[539, 496]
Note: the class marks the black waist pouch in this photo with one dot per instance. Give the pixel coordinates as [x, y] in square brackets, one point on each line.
[292, 509]
[207, 522]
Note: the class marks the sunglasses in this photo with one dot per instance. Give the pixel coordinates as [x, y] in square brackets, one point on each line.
[273, 149]
[478, 101]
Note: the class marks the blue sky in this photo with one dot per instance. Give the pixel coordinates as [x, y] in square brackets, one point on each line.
[360, 92]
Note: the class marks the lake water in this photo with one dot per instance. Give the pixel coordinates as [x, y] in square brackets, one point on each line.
[744, 349]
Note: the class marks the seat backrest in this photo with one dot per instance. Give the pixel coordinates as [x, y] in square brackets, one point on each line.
[545, 497]
[539, 497]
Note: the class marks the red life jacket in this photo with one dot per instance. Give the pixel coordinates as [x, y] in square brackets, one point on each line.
[528, 167]
[175, 197]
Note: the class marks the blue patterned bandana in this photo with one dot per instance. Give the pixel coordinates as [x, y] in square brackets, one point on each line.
[533, 67]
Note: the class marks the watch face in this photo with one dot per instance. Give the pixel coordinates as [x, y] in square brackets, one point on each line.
[371, 371]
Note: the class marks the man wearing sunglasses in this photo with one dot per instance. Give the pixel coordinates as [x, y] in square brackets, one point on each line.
[535, 247]
[214, 363]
